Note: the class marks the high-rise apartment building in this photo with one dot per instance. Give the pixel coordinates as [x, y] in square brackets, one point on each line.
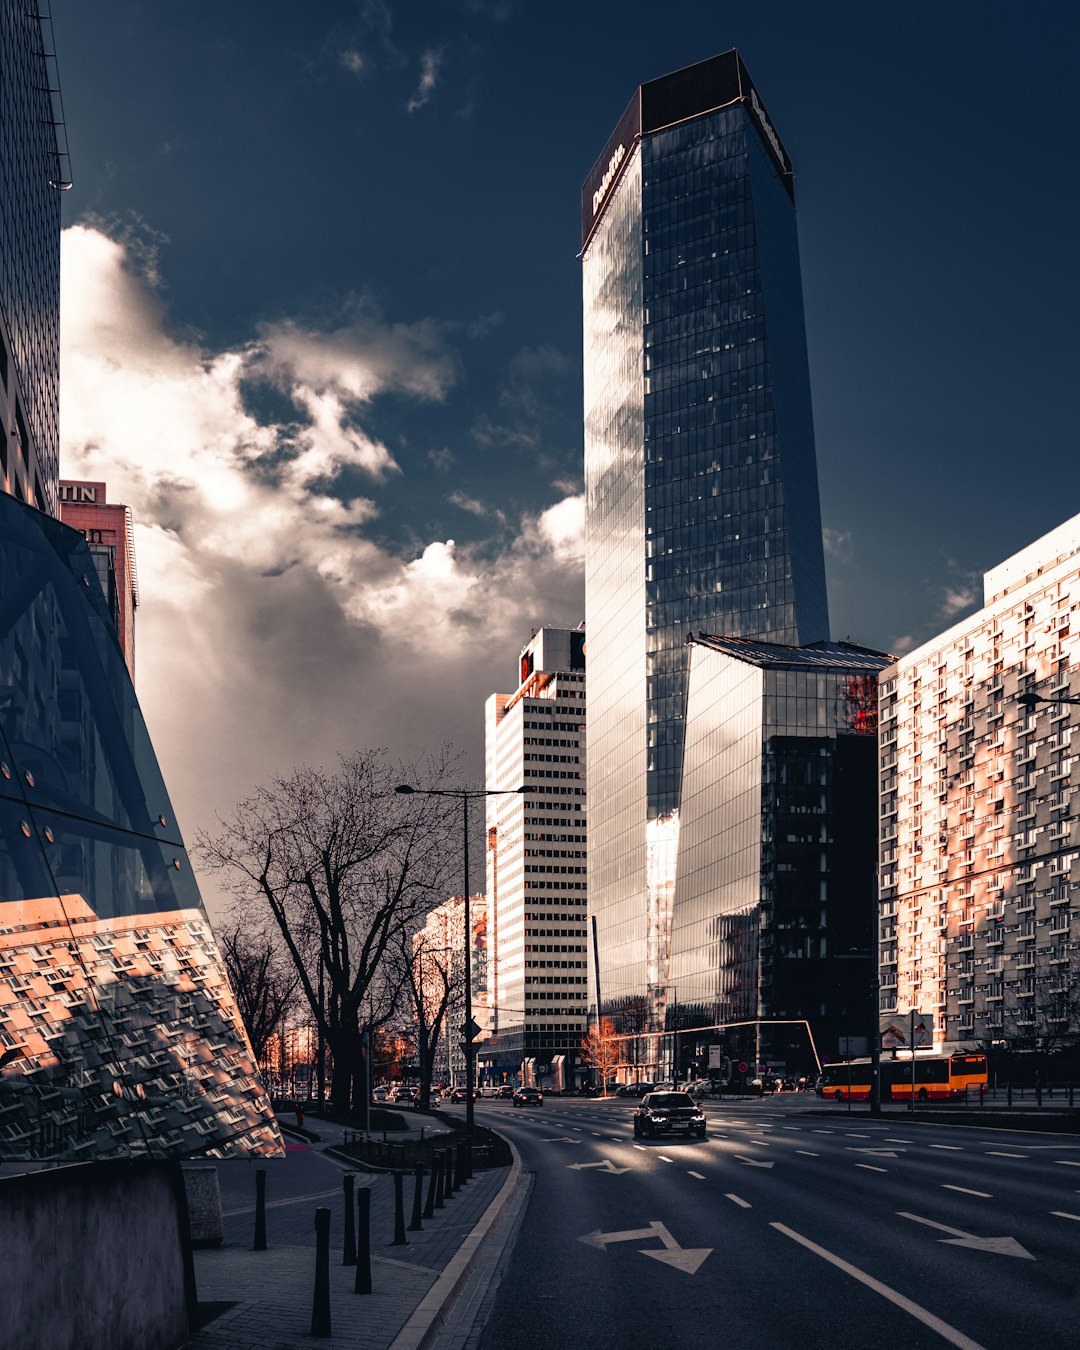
[33, 170]
[536, 863]
[700, 466]
[980, 832]
[439, 949]
[106, 527]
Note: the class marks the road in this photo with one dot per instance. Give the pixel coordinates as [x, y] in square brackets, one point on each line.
[786, 1224]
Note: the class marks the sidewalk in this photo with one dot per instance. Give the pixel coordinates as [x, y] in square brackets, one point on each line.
[263, 1300]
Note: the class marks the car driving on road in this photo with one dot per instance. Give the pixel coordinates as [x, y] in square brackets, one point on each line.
[528, 1096]
[668, 1113]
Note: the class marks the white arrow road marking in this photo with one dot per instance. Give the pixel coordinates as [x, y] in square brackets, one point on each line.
[688, 1259]
[562, 1139]
[964, 1190]
[875, 1152]
[752, 1162]
[605, 1166]
[927, 1318]
[1004, 1246]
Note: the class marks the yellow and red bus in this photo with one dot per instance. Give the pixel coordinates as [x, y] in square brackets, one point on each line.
[937, 1078]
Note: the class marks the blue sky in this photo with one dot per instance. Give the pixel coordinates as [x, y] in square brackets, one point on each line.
[322, 315]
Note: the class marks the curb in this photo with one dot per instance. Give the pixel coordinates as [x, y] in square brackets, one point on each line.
[427, 1316]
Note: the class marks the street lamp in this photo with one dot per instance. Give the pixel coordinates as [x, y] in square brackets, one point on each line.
[1031, 699]
[465, 796]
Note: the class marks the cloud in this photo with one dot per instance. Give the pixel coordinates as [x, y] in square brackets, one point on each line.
[273, 628]
[353, 61]
[900, 646]
[838, 544]
[534, 385]
[430, 61]
[442, 460]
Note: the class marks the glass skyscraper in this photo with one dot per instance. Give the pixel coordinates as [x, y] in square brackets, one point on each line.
[700, 468]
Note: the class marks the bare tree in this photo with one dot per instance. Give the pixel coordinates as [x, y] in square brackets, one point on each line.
[601, 1051]
[1042, 1008]
[344, 866]
[430, 973]
[262, 979]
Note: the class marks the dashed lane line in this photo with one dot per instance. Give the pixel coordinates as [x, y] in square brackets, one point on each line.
[923, 1315]
[640, 1148]
[890, 1140]
[663, 1157]
[1066, 1162]
[738, 1200]
[966, 1190]
[1061, 1214]
[953, 1148]
[824, 1131]
[860, 1136]
[807, 1154]
[700, 1175]
[997, 1153]
[869, 1167]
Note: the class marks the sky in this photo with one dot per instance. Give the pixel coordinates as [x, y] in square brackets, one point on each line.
[321, 330]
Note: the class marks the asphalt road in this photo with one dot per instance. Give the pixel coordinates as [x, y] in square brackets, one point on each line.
[788, 1227]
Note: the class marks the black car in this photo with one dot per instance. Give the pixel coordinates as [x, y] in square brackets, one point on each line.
[668, 1113]
[528, 1096]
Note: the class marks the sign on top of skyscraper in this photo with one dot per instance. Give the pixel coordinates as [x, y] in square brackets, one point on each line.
[705, 87]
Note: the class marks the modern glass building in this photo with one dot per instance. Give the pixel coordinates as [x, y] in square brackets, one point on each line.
[119, 1034]
[700, 467]
[32, 173]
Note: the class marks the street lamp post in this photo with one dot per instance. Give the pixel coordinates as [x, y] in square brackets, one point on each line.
[465, 796]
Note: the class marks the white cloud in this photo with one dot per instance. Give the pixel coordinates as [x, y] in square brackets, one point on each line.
[353, 62]
[837, 544]
[430, 61]
[272, 629]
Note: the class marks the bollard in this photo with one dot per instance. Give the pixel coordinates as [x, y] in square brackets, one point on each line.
[1008, 1095]
[415, 1225]
[1070, 1096]
[320, 1303]
[459, 1169]
[348, 1255]
[468, 1160]
[448, 1173]
[400, 1240]
[363, 1241]
[440, 1199]
[259, 1245]
[429, 1207]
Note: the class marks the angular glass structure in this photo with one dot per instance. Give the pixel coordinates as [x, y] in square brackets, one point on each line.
[700, 467]
[119, 1034]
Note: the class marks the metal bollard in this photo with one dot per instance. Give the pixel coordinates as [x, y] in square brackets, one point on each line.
[348, 1255]
[363, 1241]
[429, 1207]
[259, 1245]
[320, 1303]
[415, 1225]
[459, 1170]
[440, 1195]
[468, 1160]
[400, 1240]
[448, 1173]
[1008, 1095]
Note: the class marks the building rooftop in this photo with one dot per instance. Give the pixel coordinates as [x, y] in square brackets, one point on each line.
[842, 656]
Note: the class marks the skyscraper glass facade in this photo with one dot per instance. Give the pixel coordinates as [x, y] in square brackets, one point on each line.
[700, 469]
[29, 261]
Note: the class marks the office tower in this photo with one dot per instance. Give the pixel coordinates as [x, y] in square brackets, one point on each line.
[106, 527]
[33, 171]
[980, 833]
[772, 915]
[536, 864]
[439, 949]
[700, 470]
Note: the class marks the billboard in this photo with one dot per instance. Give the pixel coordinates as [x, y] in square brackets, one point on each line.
[901, 1031]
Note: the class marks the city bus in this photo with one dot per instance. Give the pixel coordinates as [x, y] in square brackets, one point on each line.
[937, 1078]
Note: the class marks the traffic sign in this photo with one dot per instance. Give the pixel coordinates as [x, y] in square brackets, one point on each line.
[742, 1066]
[471, 1029]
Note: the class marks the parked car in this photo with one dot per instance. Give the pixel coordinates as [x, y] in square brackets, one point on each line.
[668, 1113]
[528, 1096]
[489, 1090]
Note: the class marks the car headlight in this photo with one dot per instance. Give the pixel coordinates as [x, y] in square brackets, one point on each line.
[698, 1115]
[658, 1120]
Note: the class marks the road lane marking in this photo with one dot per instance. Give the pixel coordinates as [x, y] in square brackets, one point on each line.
[807, 1154]
[1060, 1213]
[996, 1153]
[1066, 1162]
[965, 1190]
[860, 1136]
[573, 1127]
[596, 1134]
[953, 1148]
[824, 1132]
[640, 1148]
[663, 1157]
[1002, 1246]
[869, 1167]
[737, 1200]
[890, 1140]
[699, 1175]
[915, 1310]
[752, 1162]
[761, 1141]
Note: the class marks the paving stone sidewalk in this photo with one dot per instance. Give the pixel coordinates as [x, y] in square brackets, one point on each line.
[267, 1296]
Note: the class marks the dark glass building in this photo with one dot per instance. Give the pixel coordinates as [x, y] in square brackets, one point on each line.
[700, 467]
[119, 1034]
[32, 173]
